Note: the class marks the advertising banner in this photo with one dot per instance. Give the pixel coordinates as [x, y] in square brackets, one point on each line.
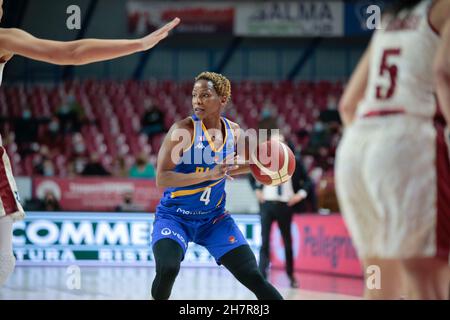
[85, 238]
[196, 17]
[98, 194]
[320, 244]
[297, 19]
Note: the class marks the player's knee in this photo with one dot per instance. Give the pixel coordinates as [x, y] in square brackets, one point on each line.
[7, 263]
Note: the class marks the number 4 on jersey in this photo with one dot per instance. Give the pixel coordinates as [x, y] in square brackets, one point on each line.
[205, 196]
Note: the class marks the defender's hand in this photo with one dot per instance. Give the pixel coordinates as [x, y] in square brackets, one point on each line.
[152, 39]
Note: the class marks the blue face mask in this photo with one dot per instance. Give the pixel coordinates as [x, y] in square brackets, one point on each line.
[26, 114]
[70, 99]
[266, 113]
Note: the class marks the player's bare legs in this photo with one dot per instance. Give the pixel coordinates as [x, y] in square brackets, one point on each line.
[391, 279]
[427, 278]
[7, 259]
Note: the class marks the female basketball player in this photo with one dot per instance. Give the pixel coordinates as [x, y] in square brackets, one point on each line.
[16, 41]
[193, 166]
[392, 166]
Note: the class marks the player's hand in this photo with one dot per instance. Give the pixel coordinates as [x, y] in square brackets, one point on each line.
[153, 38]
[223, 168]
[260, 196]
[296, 198]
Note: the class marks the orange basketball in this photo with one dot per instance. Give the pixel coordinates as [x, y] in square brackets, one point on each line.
[272, 163]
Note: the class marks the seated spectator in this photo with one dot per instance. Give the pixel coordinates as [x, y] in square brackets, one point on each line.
[26, 130]
[42, 164]
[70, 115]
[267, 120]
[128, 205]
[50, 203]
[51, 134]
[142, 168]
[94, 167]
[326, 194]
[119, 167]
[152, 121]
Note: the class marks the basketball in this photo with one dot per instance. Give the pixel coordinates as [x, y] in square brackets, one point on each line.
[272, 163]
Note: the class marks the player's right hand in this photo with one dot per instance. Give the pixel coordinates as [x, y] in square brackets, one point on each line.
[222, 168]
[153, 38]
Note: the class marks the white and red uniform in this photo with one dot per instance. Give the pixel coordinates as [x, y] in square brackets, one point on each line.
[392, 165]
[9, 196]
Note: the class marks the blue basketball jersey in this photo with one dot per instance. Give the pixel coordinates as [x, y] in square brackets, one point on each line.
[206, 198]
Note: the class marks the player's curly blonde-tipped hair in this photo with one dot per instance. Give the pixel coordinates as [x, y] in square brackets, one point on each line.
[220, 82]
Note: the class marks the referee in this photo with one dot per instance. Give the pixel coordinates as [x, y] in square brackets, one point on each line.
[278, 203]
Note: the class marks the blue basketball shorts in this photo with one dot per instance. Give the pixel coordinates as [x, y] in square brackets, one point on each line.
[218, 234]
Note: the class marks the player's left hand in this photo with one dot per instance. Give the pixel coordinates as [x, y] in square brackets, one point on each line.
[223, 169]
[153, 38]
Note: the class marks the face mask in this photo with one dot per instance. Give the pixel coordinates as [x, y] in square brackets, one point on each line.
[71, 99]
[53, 126]
[318, 126]
[26, 114]
[79, 148]
[49, 171]
[266, 113]
[79, 166]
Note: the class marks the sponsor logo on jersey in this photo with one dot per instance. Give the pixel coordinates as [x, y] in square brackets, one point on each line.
[199, 146]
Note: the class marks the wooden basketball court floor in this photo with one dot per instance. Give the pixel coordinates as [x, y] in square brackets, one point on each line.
[193, 283]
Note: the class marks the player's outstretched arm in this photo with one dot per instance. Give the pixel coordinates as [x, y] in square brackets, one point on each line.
[442, 58]
[77, 52]
[354, 92]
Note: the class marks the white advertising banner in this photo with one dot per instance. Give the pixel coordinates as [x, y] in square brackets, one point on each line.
[290, 19]
[85, 238]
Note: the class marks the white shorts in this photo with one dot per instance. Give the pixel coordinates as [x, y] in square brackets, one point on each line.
[393, 186]
[9, 196]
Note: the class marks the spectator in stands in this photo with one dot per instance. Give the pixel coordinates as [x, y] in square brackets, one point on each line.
[142, 168]
[26, 130]
[128, 205]
[70, 114]
[46, 168]
[94, 167]
[78, 146]
[75, 166]
[267, 120]
[318, 137]
[53, 132]
[152, 121]
[50, 203]
[42, 165]
[119, 168]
